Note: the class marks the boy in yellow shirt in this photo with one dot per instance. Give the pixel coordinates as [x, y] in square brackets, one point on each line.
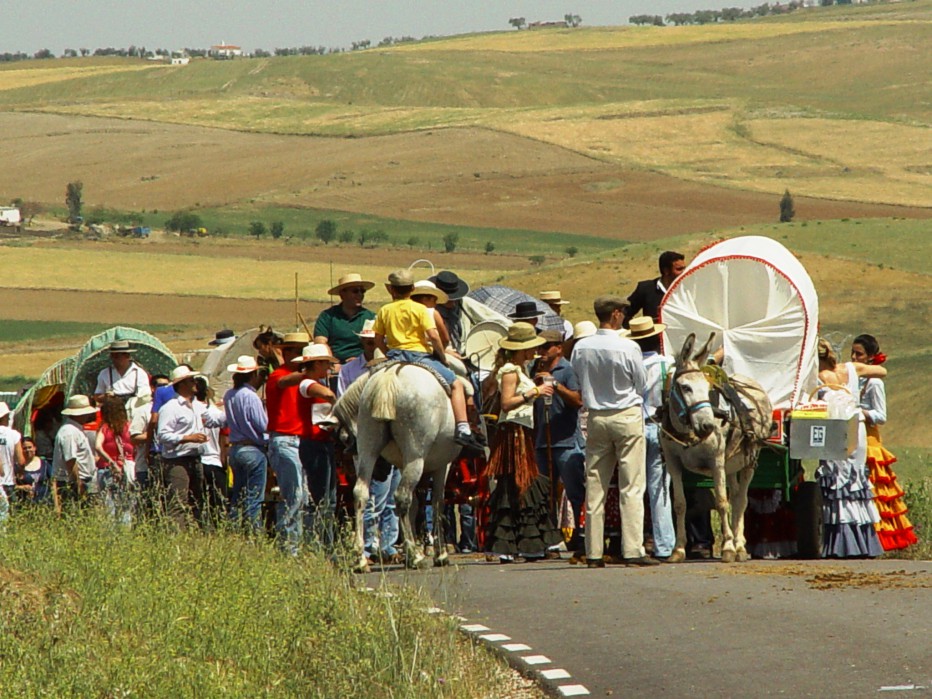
[405, 330]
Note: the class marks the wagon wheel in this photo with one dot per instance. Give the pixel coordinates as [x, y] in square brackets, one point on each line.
[807, 501]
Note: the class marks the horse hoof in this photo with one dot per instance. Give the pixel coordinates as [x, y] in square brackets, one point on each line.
[441, 561]
[424, 563]
[677, 556]
[742, 556]
[362, 568]
[728, 556]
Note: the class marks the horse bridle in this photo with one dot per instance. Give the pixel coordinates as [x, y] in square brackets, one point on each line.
[684, 409]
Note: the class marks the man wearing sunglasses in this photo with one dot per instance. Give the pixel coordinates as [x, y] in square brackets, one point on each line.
[339, 326]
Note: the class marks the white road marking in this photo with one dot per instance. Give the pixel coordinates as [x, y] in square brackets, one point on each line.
[514, 647]
[474, 628]
[536, 659]
[555, 674]
[495, 637]
[573, 690]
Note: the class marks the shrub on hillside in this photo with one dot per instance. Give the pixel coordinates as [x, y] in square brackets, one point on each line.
[183, 221]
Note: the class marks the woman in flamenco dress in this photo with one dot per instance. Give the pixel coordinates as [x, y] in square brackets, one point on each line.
[894, 529]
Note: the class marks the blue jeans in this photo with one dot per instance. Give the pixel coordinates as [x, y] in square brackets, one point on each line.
[380, 521]
[570, 465]
[318, 460]
[658, 493]
[292, 484]
[250, 471]
[467, 542]
[426, 359]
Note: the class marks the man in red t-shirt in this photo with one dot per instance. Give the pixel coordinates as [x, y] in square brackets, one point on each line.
[286, 426]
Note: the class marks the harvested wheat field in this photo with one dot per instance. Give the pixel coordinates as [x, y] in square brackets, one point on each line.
[458, 176]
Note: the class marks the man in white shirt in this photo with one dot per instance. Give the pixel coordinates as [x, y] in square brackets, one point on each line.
[11, 458]
[611, 374]
[213, 452]
[123, 377]
[73, 463]
[181, 436]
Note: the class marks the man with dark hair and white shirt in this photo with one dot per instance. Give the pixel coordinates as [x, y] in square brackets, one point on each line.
[73, 463]
[123, 377]
[11, 458]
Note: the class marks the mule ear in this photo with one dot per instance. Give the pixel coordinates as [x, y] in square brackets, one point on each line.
[687, 351]
[703, 352]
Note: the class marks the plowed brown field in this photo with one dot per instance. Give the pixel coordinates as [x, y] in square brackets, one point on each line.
[458, 176]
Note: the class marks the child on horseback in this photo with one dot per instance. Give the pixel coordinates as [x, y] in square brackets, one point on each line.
[406, 330]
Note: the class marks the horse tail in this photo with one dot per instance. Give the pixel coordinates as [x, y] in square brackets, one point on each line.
[384, 394]
[347, 406]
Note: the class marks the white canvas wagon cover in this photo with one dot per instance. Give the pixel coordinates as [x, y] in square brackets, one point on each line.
[759, 300]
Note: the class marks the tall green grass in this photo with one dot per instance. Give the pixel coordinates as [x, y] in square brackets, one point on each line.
[91, 609]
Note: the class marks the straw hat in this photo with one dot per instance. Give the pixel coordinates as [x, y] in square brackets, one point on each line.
[346, 280]
[552, 298]
[296, 338]
[401, 277]
[368, 329]
[584, 328]
[4, 410]
[121, 346]
[245, 364]
[521, 336]
[180, 373]
[314, 353]
[428, 288]
[643, 327]
[79, 405]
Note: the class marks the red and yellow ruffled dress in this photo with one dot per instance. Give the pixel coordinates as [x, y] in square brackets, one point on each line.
[894, 530]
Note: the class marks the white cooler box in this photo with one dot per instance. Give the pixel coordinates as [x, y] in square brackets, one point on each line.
[831, 439]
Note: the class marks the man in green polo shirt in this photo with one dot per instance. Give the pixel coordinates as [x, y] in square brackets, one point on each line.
[339, 325]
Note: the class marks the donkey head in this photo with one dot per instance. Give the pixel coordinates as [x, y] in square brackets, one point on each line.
[689, 392]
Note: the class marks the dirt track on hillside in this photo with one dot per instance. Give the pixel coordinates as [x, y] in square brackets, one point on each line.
[458, 176]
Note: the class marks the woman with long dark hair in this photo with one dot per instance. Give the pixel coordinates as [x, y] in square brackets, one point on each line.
[894, 529]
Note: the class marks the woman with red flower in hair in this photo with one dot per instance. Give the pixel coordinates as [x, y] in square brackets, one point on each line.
[894, 529]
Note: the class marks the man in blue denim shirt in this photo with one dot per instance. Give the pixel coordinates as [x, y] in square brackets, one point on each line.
[561, 419]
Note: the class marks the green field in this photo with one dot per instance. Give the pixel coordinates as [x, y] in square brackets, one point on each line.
[18, 331]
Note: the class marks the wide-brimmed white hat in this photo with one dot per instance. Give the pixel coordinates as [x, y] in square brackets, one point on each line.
[4, 409]
[351, 279]
[425, 287]
[643, 327]
[368, 329]
[121, 347]
[245, 364]
[314, 353]
[584, 328]
[79, 405]
[180, 373]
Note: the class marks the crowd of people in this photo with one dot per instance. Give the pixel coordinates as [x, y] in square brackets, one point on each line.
[569, 408]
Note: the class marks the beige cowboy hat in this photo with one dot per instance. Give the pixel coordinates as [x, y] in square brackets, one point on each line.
[642, 327]
[368, 329]
[426, 287]
[401, 277]
[521, 336]
[584, 328]
[552, 298]
[245, 364]
[351, 279]
[79, 405]
[121, 347]
[180, 373]
[296, 338]
[314, 353]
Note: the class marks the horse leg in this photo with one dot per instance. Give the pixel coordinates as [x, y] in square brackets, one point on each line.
[410, 475]
[721, 505]
[739, 503]
[441, 557]
[679, 508]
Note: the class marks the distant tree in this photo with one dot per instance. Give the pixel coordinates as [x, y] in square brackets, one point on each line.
[85, 52]
[29, 210]
[573, 20]
[257, 228]
[326, 231]
[277, 229]
[787, 211]
[363, 237]
[347, 235]
[517, 22]
[536, 260]
[450, 240]
[680, 18]
[74, 193]
[377, 237]
[70, 53]
[572, 250]
[261, 53]
[413, 241]
[183, 221]
[730, 14]
[489, 247]
[43, 53]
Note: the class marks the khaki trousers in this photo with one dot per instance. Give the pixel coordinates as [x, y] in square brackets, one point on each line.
[616, 438]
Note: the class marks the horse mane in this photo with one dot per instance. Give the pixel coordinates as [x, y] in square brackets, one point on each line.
[347, 406]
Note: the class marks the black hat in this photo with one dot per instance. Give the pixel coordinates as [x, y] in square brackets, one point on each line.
[223, 337]
[526, 310]
[450, 284]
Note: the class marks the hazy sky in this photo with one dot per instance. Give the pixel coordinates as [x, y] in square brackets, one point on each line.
[30, 25]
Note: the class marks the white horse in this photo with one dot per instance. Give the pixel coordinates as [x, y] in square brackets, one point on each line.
[725, 448]
[403, 414]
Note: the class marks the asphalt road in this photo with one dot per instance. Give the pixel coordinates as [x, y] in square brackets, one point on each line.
[703, 628]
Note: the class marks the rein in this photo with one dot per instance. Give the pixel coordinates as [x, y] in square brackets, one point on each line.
[688, 438]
